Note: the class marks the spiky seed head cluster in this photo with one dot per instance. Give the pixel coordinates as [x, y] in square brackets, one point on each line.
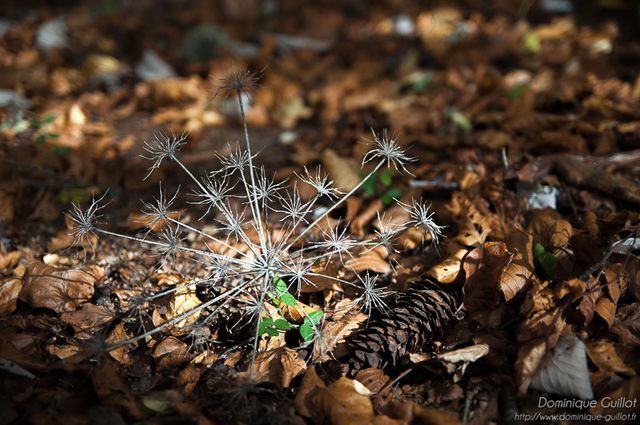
[243, 256]
[387, 149]
[236, 80]
[162, 147]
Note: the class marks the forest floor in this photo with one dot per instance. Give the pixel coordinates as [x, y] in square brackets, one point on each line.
[522, 120]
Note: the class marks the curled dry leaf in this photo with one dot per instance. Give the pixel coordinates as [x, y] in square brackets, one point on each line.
[59, 290]
[549, 229]
[627, 325]
[170, 352]
[278, 366]
[9, 259]
[183, 300]
[89, 317]
[332, 337]
[9, 292]
[120, 354]
[370, 260]
[483, 267]
[604, 354]
[113, 391]
[188, 378]
[345, 402]
[345, 173]
[520, 269]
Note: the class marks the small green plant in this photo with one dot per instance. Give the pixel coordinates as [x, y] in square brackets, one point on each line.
[460, 120]
[379, 185]
[19, 124]
[281, 295]
[545, 261]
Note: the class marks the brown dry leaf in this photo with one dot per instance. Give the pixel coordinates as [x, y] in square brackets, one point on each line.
[137, 221]
[278, 366]
[59, 290]
[603, 353]
[188, 378]
[170, 352]
[627, 324]
[587, 305]
[9, 292]
[64, 351]
[372, 378]
[436, 28]
[629, 390]
[120, 354]
[606, 309]
[9, 259]
[310, 386]
[333, 334]
[113, 391]
[89, 317]
[296, 313]
[184, 300]
[483, 267]
[428, 416]
[530, 356]
[344, 402]
[7, 208]
[447, 270]
[369, 260]
[575, 287]
[520, 269]
[549, 229]
[344, 172]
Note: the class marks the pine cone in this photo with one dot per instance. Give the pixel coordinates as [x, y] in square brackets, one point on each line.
[414, 320]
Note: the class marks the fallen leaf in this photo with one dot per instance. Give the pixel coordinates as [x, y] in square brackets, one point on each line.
[549, 229]
[59, 290]
[113, 391]
[344, 402]
[89, 317]
[9, 259]
[161, 401]
[519, 271]
[345, 173]
[170, 352]
[278, 366]
[627, 325]
[604, 354]
[565, 371]
[9, 293]
[120, 354]
[370, 260]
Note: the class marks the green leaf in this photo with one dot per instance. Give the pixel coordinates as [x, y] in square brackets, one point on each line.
[386, 177]
[41, 139]
[461, 120]
[545, 260]
[282, 325]
[531, 42]
[420, 80]
[272, 332]
[288, 299]
[315, 316]
[517, 91]
[48, 119]
[264, 325]
[369, 186]
[52, 135]
[306, 331]
[390, 194]
[281, 286]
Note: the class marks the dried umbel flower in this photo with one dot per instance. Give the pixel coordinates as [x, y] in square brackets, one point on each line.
[243, 256]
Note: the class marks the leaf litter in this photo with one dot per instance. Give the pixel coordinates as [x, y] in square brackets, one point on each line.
[524, 128]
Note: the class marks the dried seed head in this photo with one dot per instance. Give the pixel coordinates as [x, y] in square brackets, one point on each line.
[320, 182]
[387, 148]
[158, 211]
[161, 147]
[85, 220]
[235, 81]
[422, 217]
[372, 297]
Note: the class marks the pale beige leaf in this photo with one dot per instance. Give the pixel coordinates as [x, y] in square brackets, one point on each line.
[9, 292]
